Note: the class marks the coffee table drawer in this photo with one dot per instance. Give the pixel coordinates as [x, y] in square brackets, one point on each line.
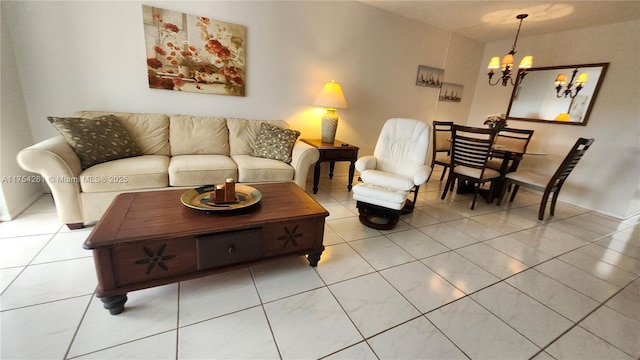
[292, 237]
[153, 259]
[234, 247]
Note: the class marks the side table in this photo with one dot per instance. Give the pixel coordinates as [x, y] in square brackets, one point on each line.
[332, 152]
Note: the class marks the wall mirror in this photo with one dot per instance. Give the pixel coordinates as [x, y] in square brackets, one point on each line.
[537, 99]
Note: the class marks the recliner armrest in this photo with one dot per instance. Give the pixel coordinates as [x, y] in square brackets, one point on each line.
[366, 163]
[422, 175]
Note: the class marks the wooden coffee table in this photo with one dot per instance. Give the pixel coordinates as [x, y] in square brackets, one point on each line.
[147, 239]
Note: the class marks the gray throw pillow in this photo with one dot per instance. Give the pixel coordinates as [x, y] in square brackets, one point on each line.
[96, 140]
[275, 143]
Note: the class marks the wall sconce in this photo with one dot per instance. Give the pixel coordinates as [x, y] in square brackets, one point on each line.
[332, 98]
[561, 79]
[507, 63]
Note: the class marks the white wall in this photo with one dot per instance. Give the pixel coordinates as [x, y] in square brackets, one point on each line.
[92, 57]
[607, 179]
[16, 192]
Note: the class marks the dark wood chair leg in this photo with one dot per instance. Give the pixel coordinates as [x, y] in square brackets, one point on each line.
[543, 204]
[514, 192]
[553, 201]
[75, 226]
[475, 196]
[444, 171]
[503, 191]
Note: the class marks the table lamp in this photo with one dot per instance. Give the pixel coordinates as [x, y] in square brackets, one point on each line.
[332, 98]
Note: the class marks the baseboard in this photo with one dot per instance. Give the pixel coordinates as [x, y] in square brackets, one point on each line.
[13, 213]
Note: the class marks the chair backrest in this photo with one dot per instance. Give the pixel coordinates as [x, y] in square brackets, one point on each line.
[570, 162]
[514, 139]
[441, 136]
[402, 146]
[470, 146]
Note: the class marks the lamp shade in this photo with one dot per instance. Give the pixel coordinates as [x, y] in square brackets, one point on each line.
[331, 96]
[561, 79]
[526, 63]
[507, 60]
[582, 79]
[494, 63]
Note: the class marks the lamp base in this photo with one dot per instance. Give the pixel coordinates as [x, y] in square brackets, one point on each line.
[329, 126]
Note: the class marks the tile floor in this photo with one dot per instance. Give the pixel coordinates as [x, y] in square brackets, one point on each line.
[446, 283]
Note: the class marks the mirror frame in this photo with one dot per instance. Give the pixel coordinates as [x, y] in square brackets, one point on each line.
[516, 90]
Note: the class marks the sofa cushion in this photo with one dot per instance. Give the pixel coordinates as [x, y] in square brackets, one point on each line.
[96, 140]
[149, 131]
[243, 134]
[198, 135]
[255, 169]
[197, 170]
[275, 143]
[135, 173]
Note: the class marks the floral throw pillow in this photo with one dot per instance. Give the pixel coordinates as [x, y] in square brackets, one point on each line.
[275, 143]
[96, 140]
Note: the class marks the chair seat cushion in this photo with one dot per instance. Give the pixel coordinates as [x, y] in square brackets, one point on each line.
[530, 178]
[379, 195]
[198, 170]
[475, 173]
[134, 173]
[443, 158]
[387, 180]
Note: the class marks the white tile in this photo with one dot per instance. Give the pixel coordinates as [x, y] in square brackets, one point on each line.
[147, 312]
[161, 347]
[419, 218]
[448, 236]
[7, 276]
[380, 252]
[425, 289]
[20, 251]
[440, 211]
[460, 272]
[492, 260]
[616, 329]
[352, 229]
[627, 303]
[581, 344]
[65, 246]
[43, 205]
[41, 331]
[475, 229]
[341, 262]
[284, 277]
[241, 335]
[310, 325]
[557, 296]
[530, 318]
[30, 224]
[337, 211]
[417, 243]
[360, 351]
[594, 222]
[371, 294]
[612, 257]
[577, 279]
[417, 339]
[480, 334]
[526, 254]
[620, 246]
[601, 269]
[50, 282]
[216, 295]
[330, 236]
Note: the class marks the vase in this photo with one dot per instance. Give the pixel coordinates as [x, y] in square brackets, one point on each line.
[184, 70]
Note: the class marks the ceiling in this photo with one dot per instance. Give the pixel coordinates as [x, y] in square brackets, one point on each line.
[488, 21]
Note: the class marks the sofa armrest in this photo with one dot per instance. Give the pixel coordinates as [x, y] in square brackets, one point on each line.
[56, 162]
[303, 156]
[366, 163]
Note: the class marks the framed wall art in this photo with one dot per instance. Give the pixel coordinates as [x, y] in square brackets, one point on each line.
[194, 53]
[428, 76]
[451, 92]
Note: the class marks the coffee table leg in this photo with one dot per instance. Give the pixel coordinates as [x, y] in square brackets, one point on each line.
[115, 304]
[314, 258]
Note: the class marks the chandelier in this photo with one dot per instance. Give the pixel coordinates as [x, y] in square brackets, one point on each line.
[507, 63]
[561, 79]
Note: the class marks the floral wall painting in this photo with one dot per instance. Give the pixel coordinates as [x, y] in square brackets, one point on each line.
[193, 53]
[451, 92]
[428, 76]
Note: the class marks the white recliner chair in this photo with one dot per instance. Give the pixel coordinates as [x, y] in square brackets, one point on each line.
[396, 168]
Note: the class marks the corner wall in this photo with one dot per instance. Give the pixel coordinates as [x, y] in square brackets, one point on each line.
[607, 179]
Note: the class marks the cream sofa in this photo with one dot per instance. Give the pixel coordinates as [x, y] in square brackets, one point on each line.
[178, 151]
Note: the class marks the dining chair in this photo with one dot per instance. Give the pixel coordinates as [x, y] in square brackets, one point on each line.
[513, 140]
[547, 184]
[470, 149]
[441, 149]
